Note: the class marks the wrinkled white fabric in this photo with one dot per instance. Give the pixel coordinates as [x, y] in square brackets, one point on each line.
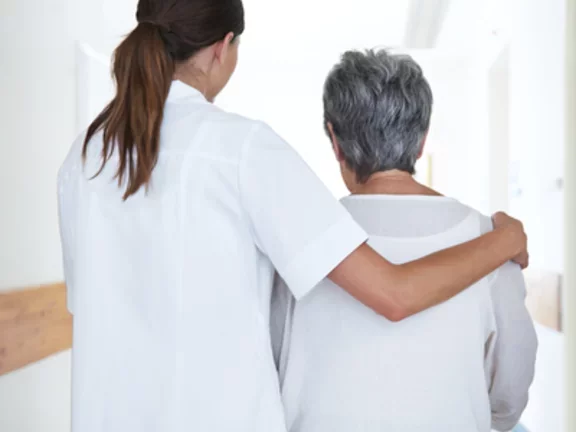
[462, 366]
[170, 290]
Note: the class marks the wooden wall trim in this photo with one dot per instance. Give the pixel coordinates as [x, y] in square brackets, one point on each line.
[544, 300]
[34, 324]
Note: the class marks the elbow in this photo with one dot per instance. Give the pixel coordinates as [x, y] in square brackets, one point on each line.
[398, 316]
[397, 302]
[507, 417]
[393, 308]
[394, 312]
[505, 424]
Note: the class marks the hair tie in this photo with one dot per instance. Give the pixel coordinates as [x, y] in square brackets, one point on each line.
[156, 24]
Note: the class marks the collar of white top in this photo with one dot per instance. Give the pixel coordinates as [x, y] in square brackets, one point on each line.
[180, 92]
[390, 197]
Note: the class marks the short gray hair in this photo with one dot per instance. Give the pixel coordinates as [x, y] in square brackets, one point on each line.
[379, 106]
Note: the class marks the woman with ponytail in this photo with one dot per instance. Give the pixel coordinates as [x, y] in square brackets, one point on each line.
[175, 216]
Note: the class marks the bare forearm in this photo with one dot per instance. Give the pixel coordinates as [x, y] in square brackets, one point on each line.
[439, 277]
[399, 291]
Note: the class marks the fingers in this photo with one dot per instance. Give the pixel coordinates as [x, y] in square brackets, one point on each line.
[523, 260]
[500, 220]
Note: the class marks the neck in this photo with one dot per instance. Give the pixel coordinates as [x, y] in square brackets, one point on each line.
[194, 77]
[198, 84]
[392, 182]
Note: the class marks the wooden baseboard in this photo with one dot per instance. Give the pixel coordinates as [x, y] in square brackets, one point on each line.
[34, 324]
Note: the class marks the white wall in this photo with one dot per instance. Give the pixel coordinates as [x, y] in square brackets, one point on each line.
[499, 132]
[280, 80]
[480, 30]
[456, 134]
[38, 124]
[37, 115]
[37, 111]
[285, 55]
[534, 31]
[537, 124]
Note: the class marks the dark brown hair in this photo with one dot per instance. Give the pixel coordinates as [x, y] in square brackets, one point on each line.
[168, 32]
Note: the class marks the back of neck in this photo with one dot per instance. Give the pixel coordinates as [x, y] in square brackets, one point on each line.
[393, 183]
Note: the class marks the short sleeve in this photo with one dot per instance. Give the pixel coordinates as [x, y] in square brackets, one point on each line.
[294, 218]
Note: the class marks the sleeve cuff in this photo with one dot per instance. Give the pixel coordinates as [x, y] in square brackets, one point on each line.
[323, 255]
[504, 425]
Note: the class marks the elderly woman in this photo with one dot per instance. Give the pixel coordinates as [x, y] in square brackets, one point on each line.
[463, 366]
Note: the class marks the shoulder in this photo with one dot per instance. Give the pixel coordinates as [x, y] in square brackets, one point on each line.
[255, 133]
[73, 161]
[509, 273]
[248, 135]
[208, 130]
[234, 124]
[482, 225]
[486, 224]
[483, 222]
[506, 282]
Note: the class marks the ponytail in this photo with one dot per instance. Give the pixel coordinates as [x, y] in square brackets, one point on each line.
[143, 70]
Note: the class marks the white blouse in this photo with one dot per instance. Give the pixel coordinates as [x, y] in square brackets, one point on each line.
[171, 289]
[465, 365]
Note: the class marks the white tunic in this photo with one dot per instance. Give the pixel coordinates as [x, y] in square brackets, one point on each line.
[170, 290]
[462, 366]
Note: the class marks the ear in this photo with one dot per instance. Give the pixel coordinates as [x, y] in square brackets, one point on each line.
[222, 47]
[421, 152]
[335, 145]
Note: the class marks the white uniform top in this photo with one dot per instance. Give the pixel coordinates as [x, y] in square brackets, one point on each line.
[457, 367]
[170, 290]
